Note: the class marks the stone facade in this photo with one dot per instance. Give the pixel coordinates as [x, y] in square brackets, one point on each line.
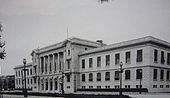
[78, 64]
[19, 76]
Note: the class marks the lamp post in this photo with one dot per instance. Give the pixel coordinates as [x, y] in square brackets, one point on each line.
[121, 71]
[140, 71]
[25, 89]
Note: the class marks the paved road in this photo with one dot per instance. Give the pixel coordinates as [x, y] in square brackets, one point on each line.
[153, 95]
[21, 96]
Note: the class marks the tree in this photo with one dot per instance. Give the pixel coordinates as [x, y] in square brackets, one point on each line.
[2, 44]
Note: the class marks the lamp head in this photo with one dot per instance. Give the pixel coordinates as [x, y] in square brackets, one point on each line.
[24, 61]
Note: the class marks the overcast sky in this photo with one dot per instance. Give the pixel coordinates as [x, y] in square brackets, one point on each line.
[29, 24]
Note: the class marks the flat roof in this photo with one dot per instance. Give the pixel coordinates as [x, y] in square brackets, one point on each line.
[128, 43]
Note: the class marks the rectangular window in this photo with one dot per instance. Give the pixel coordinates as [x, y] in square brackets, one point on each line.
[83, 77]
[139, 74]
[68, 52]
[168, 58]
[127, 74]
[154, 86]
[162, 75]
[68, 78]
[90, 77]
[155, 72]
[98, 76]
[167, 75]
[155, 55]
[117, 75]
[83, 63]
[107, 60]
[107, 76]
[128, 57]
[162, 57]
[90, 62]
[139, 55]
[99, 61]
[117, 58]
[68, 63]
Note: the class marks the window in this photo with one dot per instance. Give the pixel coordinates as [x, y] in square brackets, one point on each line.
[117, 58]
[116, 75]
[83, 77]
[50, 67]
[128, 57]
[127, 86]
[167, 75]
[98, 86]
[83, 64]
[154, 86]
[27, 72]
[161, 86]
[155, 55]
[68, 63]
[138, 86]
[99, 61]
[168, 58]
[90, 86]
[107, 86]
[167, 86]
[98, 76]
[107, 76]
[46, 84]
[19, 73]
[16, 74]
[155, 72]
[51, 84]
[56, 84]
[90, 77]
[31, 71]
[162, 75]
[139, 74]
[68, 78]
[42, 64]
[83, 87]
[68, 52]
[90, 62]
[162, 57]
[127, 74]
[139, 56]
[107, 60]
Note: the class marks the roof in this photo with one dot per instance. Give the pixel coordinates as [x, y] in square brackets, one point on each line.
[73, 40]
[128, 43]
[22, 65]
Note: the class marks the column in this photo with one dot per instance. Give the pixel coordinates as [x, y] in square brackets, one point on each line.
[44, 65]
[58, 63]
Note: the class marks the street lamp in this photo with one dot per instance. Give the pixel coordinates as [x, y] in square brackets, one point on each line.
[140, 71]
[121, 71]
[25, 89]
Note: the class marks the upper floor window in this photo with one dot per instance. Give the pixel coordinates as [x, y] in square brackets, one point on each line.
[128, 57]
[68, 63]
[155, 55]
[16, 73]
[162, 75]
[90, 77]
[162, 57]
[98, 76]
[168, 58]
[107, 60]
[28, 72]
[139, 74]
[68, 78]
[90, 62]
[83, 63]
[107, 76]
[117, 75]
[117, 58]
[155, 72]
[31, 71]
[139, 55]
[127, 74]
[68, 52]
[99, 61]
[83, 77]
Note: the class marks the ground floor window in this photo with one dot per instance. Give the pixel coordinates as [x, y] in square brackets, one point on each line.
[56, 84]
[154, 86]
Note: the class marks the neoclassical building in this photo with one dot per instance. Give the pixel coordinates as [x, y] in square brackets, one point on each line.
[19, 76]
[81, 64]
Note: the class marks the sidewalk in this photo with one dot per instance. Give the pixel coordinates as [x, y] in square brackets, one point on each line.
[22, 96]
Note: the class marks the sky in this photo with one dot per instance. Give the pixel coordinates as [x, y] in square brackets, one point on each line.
[32, 24]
